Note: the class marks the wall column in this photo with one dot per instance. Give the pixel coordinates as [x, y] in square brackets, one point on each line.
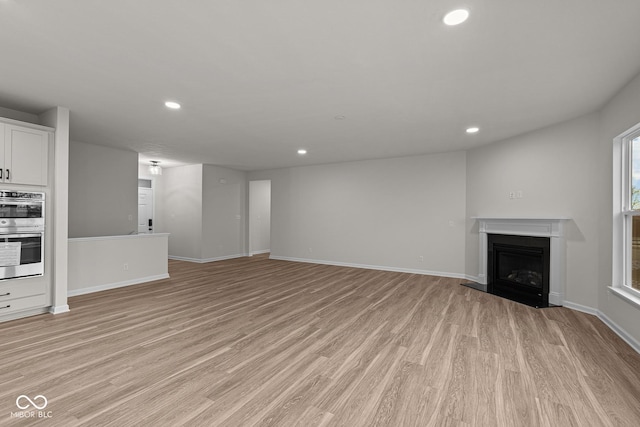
[58, 118]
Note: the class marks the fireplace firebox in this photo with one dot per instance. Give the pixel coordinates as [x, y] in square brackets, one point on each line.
[518, 268]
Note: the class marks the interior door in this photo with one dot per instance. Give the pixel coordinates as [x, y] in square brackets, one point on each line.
[145, 210]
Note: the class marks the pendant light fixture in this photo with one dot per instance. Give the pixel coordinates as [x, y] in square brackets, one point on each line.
[155, 169]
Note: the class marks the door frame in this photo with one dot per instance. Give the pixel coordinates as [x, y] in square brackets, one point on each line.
[153, 203]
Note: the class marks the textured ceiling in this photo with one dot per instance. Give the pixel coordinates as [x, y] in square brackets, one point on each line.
[259, 79]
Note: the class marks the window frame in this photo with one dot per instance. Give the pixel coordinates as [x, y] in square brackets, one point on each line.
[623, 214]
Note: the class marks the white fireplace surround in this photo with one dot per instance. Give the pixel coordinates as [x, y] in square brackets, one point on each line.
[536, 227]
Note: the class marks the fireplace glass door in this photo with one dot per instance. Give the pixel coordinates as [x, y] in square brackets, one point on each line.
[519, 268]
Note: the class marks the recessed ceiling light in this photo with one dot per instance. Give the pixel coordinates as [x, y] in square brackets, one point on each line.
[173, 105]
[473, 129]
[456, 17]
[302, 151]
[339, 117]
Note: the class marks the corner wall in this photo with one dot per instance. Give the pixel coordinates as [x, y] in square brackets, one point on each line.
[223, 212]
[181, 192]
[619, 115]
[203, 208]
[554, 169]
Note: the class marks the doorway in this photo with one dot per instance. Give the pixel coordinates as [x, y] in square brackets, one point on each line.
[259, 217]
[145, 207]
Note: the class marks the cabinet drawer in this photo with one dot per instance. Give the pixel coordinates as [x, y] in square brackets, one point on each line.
[20, 304]
[15, 290]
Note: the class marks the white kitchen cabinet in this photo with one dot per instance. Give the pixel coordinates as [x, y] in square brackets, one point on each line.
[23, 154]
[24, 161]
[18, 296]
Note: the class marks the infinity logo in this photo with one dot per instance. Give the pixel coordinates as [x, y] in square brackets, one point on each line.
[22, 397]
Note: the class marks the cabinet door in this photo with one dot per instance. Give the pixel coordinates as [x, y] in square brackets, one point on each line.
[25, 155]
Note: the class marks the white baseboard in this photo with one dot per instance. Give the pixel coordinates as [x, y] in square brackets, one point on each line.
[266, 251]
[635, 344]
[557, 298]
[25, 313]
[578, 307]
[205, 260]
[626, 337]
[471, 278]
[372, 267]
[83, 291]
[59, 309]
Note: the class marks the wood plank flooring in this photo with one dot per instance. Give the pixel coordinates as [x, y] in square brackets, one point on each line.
[253, 341]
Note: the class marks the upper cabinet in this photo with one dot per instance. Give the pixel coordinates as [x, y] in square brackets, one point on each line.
[23, 154]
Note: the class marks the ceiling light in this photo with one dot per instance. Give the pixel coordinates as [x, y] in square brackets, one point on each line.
[155, 169]
[173, 105]
[473, 129]
[339, 117]
[302, 151]
[456, 17]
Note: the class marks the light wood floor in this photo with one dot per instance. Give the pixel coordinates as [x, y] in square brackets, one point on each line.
[254, 341]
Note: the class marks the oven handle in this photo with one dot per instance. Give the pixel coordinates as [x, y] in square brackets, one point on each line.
[5, 201]
[19, 236]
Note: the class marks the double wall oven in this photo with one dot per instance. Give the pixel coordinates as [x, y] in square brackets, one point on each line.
[21, 234]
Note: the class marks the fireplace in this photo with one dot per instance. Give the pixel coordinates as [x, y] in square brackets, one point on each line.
[553, 229]
[518, 268]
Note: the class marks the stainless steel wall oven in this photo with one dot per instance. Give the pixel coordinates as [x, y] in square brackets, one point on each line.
[21, 234]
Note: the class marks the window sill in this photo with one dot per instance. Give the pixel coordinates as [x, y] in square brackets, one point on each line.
[625, 295]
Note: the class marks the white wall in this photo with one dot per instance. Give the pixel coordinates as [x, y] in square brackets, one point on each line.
[259, 216]
[99, 263]
[182, 213]
[22, 116]
[379, 213]
[203, 208]
[103, 190]
[224, 206]
[554, 169]
[619, 115]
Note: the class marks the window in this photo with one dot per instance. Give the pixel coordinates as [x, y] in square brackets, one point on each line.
[631, 211]
[626, 253]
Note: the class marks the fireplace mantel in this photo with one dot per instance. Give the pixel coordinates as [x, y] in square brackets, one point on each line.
[537, 227]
